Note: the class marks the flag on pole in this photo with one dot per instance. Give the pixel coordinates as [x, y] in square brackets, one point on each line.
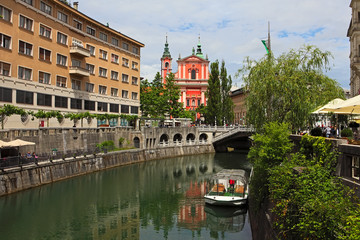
[265, 42]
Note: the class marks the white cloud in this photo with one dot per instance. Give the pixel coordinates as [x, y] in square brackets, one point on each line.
[230, 29]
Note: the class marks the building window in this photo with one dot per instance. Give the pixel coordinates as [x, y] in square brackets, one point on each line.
[75, 103]
[5, 41]
[125, 62]
[26, 23]
[61, 81]
[44, 54]
[24, 73]
[43, 99]
[193, 74]
[75, 84]
[90, 30]
[188, 102]
[114, 58]
[114, 108]
[103, 36]
[124, 94]
[90, 68]
[134, 95]
[115, 41]
[89, 87]
[134, 110]
[125, 46]
[5, 14]
[24, 97]
[125, 78]
[102, 72]
[5, 94]
[198, 102]
[135, 50]
[102, 89]
[45, 8]
[114, 75]
[355, 167]
[134, 81]
[61, 60]
[135, 65]
[61, 102]
[103, 54]
[45, 31]
[75, 63]
[30, 2]
[5, 69]
[102, 107]
[91, 49]
[124, 108]
[61, 38]
[44, 77]
[25, 48]
[62, 17]
[77, 24]
[89, 105]
[114, 92]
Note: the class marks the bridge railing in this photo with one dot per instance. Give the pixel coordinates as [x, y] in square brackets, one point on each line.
[233, 131]
[182, 143]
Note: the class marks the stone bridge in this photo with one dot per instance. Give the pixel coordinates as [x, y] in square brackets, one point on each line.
[220, 137]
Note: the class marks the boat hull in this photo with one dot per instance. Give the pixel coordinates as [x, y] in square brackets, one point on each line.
[225, 200]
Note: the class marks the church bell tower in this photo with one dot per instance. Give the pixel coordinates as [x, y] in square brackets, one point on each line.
[166, 62]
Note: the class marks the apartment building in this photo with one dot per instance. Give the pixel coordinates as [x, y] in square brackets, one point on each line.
[53, 57]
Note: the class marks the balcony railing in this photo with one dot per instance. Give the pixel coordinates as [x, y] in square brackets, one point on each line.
[76, 49]
[79, 71]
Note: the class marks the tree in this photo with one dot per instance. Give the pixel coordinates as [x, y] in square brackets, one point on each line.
[227, 105]
[213, 95]
[152, 97]
[172, 95]
[288, 88]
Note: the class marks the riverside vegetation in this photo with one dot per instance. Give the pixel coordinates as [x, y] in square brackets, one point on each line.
[309, 201]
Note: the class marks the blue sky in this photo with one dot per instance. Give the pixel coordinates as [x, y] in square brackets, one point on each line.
[230, 30]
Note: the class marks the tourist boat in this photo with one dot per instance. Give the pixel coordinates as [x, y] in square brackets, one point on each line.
[229, 187]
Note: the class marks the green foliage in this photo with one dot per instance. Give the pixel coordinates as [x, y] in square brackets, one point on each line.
[108, 145]
[346, 132]
[172, 95]
[7, 110]
[269, 149]
[121, 141]
[309, 201]
[288, 88]
[227, 105]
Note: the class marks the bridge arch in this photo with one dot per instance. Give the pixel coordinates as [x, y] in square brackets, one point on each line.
[190, 137]
[164, 138]
[177, 137]
[203, 137]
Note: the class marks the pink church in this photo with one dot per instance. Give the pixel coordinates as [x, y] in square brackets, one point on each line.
[192, 76]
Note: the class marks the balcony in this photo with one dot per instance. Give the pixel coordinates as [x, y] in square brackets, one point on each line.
[80, 51]
[79, 71]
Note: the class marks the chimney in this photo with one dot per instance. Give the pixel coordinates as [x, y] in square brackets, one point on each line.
[76, 5]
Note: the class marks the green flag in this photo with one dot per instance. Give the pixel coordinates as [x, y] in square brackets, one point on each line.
[265, 45]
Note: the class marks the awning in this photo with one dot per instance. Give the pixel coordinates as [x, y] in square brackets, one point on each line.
[349, 106]
[15, 143]
[330, 105]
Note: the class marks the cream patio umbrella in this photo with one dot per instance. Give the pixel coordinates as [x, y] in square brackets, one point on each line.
[329, 105]
[349, 106]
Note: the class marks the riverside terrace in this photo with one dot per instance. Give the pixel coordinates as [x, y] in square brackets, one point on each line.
[57, 143]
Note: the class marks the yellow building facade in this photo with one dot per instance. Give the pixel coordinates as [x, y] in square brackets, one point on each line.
[53, 57]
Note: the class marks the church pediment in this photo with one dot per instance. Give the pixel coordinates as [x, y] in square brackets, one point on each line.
[192, 58]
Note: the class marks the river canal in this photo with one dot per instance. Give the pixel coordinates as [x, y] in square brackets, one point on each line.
[161, 199]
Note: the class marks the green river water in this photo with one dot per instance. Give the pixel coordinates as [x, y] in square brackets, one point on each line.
[161, 199]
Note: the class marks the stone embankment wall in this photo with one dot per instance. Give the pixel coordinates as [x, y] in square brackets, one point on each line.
[18, 179]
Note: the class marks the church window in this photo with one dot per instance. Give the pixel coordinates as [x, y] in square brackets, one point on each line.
[166, 65]
[193, 74]
[193, 103]
[187, 102]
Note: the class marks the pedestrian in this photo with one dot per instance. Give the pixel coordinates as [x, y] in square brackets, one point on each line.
[328, 131]
[35, 158]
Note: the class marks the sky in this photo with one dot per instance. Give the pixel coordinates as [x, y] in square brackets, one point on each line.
[229, 30]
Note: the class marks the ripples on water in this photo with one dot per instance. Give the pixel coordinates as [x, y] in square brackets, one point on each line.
[161, 199]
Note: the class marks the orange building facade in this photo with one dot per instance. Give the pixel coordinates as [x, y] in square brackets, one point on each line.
[192, 76]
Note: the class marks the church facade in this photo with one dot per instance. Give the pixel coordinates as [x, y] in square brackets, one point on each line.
[192, 76]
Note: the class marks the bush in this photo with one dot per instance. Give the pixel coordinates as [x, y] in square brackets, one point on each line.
[316, 132]
[108, 145]
[346, 132]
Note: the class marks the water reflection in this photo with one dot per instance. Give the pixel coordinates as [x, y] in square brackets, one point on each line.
[154, 200]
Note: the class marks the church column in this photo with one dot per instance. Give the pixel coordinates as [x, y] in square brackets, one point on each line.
[184, 98]
[202, 97]
[183, 68]
[202, 71]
